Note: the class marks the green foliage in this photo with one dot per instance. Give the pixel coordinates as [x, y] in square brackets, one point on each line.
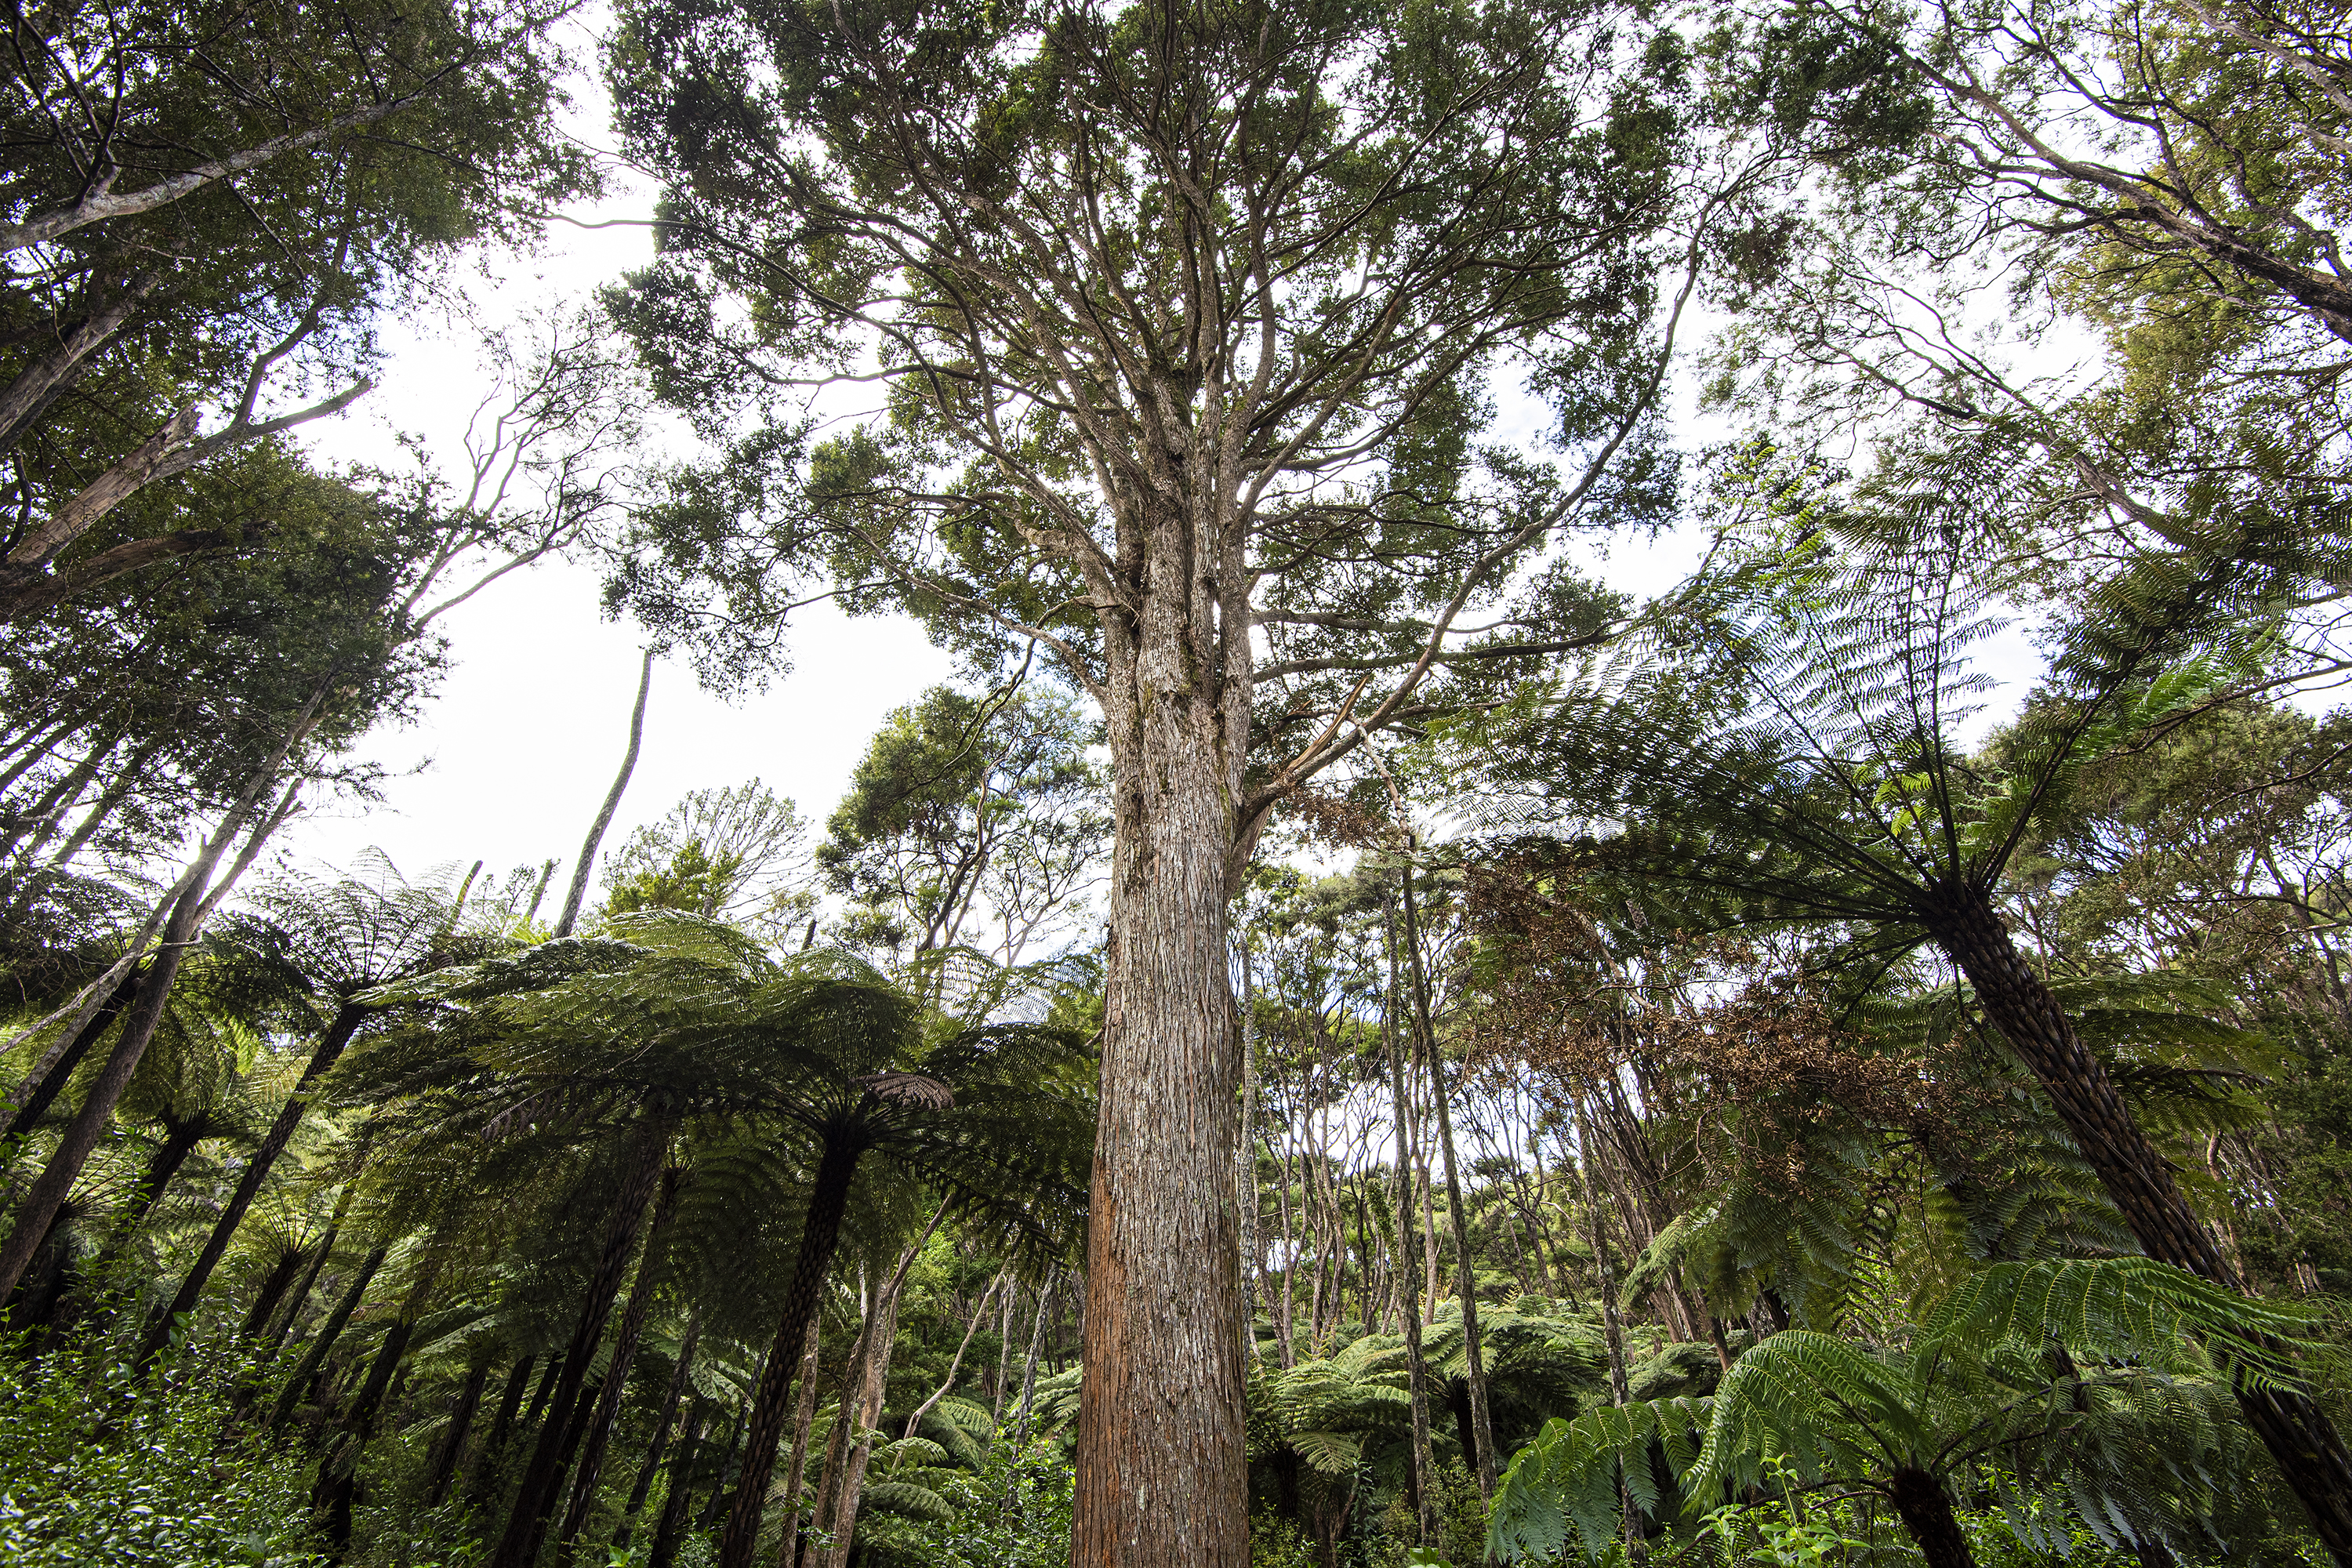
[102, 1470]
[1013, 1513]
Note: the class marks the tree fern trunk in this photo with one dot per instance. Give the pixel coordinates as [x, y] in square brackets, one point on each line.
[345, 1025]
[654, 1450]
[1927, 1513]
[828, 1201]
[624, 1351]
[2310, 1453]
[324, 1339]
[446, 1453]
[519, 1545]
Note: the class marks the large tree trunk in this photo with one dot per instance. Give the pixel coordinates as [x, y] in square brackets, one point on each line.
[525, 1522]
[1927, 1513]
[624, 1353]
[1161, 1473]
[2310, 1453]
[828, 1201]
[346, 1023]
[33, 1097]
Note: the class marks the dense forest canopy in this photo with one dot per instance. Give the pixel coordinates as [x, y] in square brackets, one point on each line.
[1356, 1029]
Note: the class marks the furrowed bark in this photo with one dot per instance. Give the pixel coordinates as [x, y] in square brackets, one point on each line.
[2310, 1453]
[828, 1201]
[1163, 1478]
[525, 1522]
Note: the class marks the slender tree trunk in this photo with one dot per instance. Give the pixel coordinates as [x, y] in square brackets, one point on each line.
[451, 1448]
[1927, 1513]
[946, 1386]
[828, 1201]
[324, 1339]
[862, 1415]
[652, 1463]
[681, 1488]
[481, 1471]
[2310, 1453]
[274, 1285]
[1163, 1478]
[1425, 1464]
[82, 1135]
[41, 1087]
[1004, 1356]
[338, 1471]
[1482, 1424]
[1246, 1165]
[624, 1353]
[519, 1545]
[1029, 1368]
[804, 1423]
[339, 1031]
[1637, 1551]
[579, 890]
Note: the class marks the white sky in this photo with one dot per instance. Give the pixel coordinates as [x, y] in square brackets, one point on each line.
[515, 751]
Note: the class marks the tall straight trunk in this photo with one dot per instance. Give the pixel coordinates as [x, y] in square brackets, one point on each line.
[579, 890]
[48, 1191]
[339, 1031]
[765, 1431]
[479, 1472]
[1162, 1472]
[1612, 1329]
[1482, 1424]
[681, 1488]
[2309, 1452]
[1926, 1510]
[1425, 1464]
[324, 1339]
[338, 1471]
[1246, 1165]
[525, 1522]
[804, 1423]
[442, 1469]
[651, 1465]
[624, 1353]
[321, 1251]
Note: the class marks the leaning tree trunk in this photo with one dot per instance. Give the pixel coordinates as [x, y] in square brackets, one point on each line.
[346, 1023]
[56, 1067]
[2310, 1453]
[828, 1201]
[681, 1487]
[624, 1351]
[579, 890]
[1926, 1511]
[452, 1446]
[651, 1465]
[518, 1546]
[482, 1470]
[324, 1339]
[1162, 1475]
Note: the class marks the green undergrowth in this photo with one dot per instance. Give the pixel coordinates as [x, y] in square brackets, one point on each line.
[101, 1470]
